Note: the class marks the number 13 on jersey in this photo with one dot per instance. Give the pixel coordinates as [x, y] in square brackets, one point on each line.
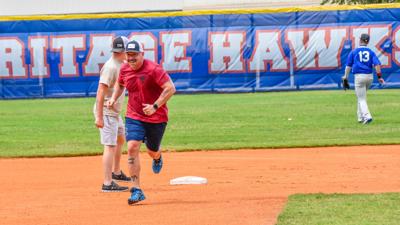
[364, 56]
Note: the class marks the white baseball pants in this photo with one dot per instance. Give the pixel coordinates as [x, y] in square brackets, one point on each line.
[362, 83]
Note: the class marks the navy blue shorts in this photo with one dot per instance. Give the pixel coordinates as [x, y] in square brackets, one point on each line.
[150, 133]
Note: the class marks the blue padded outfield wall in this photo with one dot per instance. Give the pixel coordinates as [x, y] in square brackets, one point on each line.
[203, 51]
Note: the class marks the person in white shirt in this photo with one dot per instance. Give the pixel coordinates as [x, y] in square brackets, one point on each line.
[109, 121]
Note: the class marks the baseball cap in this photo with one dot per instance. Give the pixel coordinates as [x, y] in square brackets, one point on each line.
[133, 46]
[119, 43]
[365, 37]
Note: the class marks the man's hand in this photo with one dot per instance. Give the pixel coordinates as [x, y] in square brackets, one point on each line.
[148, 109]
[99, 122]
[110, 103]
[345, 83]
[379, 74]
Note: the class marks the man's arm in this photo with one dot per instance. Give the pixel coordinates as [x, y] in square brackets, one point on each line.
[379, 74]
[346, 72]
[349, 65]
[118, 90]
[168, 90]
[377, 64]
[101, 91]
[378, 69]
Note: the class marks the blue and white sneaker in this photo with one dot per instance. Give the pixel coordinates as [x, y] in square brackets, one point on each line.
[157, 165]
[137, 195]
[367, 121]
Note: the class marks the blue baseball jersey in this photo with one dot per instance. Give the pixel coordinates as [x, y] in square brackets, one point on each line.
[362, 60]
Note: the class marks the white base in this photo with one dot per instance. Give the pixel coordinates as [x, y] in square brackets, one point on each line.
[188, 180]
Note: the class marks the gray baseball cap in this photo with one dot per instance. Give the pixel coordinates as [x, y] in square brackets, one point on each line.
[119, 43]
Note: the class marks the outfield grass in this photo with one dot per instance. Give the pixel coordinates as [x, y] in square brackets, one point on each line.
[341, 209]
[60, 127]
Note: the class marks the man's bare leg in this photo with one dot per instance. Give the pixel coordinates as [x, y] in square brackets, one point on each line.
[118, 153]
[108, 156]
[154, 155]
[134, 162]
[137, 194]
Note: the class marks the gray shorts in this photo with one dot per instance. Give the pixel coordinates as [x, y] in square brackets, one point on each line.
[113, 127]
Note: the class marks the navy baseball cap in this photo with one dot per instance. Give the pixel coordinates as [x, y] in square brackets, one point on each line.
[133, 46]
[364, 37]
[119, 43]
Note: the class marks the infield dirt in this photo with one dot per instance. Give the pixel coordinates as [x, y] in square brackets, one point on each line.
[245, 186]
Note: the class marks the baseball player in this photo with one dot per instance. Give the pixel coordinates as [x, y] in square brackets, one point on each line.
[109, 121]
[361, 62]
[149, 88]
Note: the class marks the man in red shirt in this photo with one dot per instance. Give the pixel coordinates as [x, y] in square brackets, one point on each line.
[149, 88]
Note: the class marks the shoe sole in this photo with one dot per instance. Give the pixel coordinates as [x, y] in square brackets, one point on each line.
[125, 181]
[131, 202]
[109, 191]
[367, 122]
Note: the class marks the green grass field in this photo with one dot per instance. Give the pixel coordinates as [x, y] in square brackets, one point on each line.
[65, 127]
[340, 209]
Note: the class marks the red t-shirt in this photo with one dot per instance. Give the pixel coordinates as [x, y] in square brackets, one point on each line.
[144, 87]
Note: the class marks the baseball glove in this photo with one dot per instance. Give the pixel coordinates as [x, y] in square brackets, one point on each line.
[345, 84]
